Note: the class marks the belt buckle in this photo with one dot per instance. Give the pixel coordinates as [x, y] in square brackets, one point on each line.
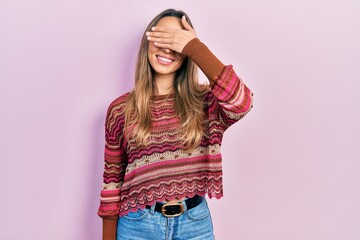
[163, 210]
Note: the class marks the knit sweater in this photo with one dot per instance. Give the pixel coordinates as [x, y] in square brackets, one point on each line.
[136, 176]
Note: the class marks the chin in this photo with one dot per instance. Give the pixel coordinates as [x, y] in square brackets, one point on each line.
[164, 71]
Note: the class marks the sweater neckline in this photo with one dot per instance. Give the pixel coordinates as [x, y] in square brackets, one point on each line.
[163, 96]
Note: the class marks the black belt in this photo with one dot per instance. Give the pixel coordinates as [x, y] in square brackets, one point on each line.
[176, 209]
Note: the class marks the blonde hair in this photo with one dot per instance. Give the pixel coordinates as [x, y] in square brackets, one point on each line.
[188, 101]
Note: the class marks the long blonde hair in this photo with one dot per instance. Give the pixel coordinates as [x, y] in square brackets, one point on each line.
[188, 101]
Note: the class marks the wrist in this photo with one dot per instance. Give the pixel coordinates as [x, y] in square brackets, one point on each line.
[191, 47]
[200, 54]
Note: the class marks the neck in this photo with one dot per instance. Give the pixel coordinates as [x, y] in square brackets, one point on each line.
[164, 83]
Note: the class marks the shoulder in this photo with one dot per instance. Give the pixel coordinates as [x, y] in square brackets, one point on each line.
[121, 100]
[118, 104]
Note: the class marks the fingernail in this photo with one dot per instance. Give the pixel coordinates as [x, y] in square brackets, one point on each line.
[147, 33]
[153, 28]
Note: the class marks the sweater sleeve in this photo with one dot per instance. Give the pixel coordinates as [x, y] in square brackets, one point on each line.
[115, 162]
[232, 98]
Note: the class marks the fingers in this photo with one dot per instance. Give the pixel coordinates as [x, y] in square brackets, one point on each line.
[159, 38]
[163, 45]
[158, 34]
[185, 23]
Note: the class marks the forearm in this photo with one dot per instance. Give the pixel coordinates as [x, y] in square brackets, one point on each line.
[109, 228]
[209, 64]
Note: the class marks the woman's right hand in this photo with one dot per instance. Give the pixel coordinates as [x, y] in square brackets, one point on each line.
[173, 39]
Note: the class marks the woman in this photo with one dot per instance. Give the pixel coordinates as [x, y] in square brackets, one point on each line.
[163, 139]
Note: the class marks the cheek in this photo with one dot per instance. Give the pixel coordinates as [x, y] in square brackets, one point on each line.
[152, 48]
[151, 51]
[181, 59]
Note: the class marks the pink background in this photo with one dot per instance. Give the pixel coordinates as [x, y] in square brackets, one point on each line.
[291, 167]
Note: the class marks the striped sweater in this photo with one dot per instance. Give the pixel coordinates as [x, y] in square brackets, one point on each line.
[138, 176]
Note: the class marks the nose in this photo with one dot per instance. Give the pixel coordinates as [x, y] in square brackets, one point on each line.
[169, 51]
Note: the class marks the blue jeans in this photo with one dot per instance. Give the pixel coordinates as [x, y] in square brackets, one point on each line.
[147, 224]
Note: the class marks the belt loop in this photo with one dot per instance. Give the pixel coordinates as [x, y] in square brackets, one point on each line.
[152, 209]
[184, 205]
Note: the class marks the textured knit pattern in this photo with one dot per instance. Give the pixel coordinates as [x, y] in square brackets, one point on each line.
[138, 176]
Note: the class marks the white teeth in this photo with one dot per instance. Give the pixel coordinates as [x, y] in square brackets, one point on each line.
[165, 59]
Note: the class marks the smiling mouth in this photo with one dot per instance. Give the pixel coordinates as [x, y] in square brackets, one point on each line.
[164, 60]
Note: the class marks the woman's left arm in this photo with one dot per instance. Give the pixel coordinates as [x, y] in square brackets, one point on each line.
[233, 96]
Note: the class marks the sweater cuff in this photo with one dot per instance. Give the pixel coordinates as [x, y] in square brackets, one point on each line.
[209, 64]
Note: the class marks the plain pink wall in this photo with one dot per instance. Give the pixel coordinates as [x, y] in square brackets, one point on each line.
[291, 167]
